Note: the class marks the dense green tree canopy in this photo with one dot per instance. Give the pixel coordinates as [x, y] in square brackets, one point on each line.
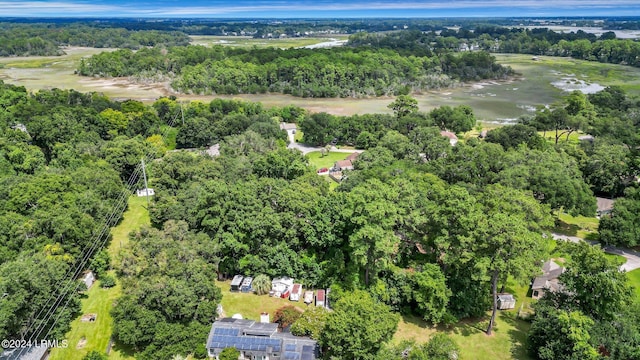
[358, 327]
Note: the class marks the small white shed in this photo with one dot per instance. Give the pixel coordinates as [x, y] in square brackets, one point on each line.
[506, 301]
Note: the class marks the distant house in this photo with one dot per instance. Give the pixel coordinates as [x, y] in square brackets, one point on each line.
[245, 287]
[296, 291]
[213, 150]
[548, 281]
[288, 126]
[281, 287]
[453, 139]
[236, 283]
[258, 340]
[353, 157]
[605, 206]
[506, 301]
[343, 165]
[145, 192]
[88, 278]
[20, 127]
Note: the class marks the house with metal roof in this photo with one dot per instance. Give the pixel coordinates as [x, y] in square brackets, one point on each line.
[236, 282]
[258, 340]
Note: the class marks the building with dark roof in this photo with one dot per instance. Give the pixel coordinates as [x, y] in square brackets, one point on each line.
[29, 353]
[548, 281]
[258, 340]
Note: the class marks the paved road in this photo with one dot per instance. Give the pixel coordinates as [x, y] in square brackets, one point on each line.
[633, 257]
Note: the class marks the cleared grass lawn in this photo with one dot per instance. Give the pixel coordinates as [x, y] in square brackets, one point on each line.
[634, 280]
[579, 226]
[100, 301]
[507, 342]
[95, 335]
[317, 161]
[134, 218]
[250, 305]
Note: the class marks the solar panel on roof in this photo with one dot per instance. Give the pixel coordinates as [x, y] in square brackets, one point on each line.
[307, 348]
[307, 356]
[290, 347]
[291, 356]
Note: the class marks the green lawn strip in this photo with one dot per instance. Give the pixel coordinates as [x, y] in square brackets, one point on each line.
[95, 335]
[250, 305]
[317, 161]
[134, 218]
[298, 135]
[507, 342]
[99, 301]
[634, 280]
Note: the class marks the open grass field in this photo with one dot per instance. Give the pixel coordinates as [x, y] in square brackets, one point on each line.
[249, 42]
[87, 336]
[134, 218]
[99, 301]
[507, 342]
[317, 161]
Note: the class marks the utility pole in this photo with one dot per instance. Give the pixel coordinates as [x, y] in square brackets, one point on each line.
[182, 113]
[146, 188]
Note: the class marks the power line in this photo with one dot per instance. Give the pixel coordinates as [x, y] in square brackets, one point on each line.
[97, 243]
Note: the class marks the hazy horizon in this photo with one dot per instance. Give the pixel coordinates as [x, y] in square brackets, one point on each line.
[317, 9]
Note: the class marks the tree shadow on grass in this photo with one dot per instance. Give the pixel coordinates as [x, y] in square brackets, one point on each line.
[465, 327]
[125, 350]
[518, 335]
[564, 228]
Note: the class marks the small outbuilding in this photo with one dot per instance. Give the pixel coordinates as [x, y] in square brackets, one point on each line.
[453, 139]
[320, 298]
[145, 192]
[246, 285]
[506, 301]
[88, 278]
[281, 287]
[296, 292]
[236, 283]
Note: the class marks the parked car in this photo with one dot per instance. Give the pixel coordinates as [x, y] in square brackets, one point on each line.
[322, 170]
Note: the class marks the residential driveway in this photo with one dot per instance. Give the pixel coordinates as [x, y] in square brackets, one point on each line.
[304, 149]
[633, 257]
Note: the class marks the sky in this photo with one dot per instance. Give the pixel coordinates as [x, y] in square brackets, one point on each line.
[317, 8]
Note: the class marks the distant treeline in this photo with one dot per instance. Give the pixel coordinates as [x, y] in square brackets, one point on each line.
[332, 72]
[540, 41]
[46, 39]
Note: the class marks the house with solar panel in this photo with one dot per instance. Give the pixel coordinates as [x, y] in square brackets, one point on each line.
[259, 340]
